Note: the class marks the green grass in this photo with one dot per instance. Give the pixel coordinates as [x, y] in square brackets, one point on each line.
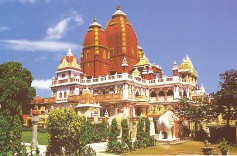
[190, 148]
[42, 137]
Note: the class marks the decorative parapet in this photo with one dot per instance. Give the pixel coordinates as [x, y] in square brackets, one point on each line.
[121, 77]
[49, 100]
[108, 97]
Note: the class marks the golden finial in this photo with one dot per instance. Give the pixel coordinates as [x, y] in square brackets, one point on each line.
[118, 7]
[95, 20]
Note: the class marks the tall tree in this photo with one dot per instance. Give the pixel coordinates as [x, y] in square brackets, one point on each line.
[15, 87]
[191, 112]
[15, 92]
[226, 98]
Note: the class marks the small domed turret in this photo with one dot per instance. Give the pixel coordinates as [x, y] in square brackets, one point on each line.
[187, 65]
[69, 61]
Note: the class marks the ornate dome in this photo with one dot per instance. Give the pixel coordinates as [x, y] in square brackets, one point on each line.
[122, 40]
[187, 65]
[86, 99]
[95, 36]
[37, 99]
[69, 61]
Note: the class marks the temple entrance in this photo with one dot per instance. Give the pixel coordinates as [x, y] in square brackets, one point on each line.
[138, 111]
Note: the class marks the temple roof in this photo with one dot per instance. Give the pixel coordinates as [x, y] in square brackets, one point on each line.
[86, 99]
[143, 61]
[69, 61]
[187, 65]
[119, 12]
[95, 23]
[136, 73]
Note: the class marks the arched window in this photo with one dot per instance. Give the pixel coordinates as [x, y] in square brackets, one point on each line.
[104, 55]
[87, 54]
[65, 94]
[161, 93]
[170, 93]
[185, 93]
[103, 91]
[137, 93]
[60, 95]
[153, 94]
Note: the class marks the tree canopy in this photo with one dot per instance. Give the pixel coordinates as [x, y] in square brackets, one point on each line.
[226, 98]
[15, 87]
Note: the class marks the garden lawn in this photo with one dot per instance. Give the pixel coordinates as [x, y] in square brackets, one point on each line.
[42, 137]
[190, 148]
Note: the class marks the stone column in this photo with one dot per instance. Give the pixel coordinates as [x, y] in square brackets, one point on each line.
[34, 143]
[152, 126]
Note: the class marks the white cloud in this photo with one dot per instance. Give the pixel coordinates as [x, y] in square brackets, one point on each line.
[4, 28]
[60, 29]
[41, 45]
[23, 1]
[42, 84]
[27, 1]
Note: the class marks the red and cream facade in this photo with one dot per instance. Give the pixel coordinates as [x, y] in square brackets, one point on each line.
[116, 71]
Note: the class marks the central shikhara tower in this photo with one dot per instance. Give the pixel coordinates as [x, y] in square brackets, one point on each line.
[115, 70]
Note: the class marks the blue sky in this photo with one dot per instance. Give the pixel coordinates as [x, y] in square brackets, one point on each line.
[38, 33]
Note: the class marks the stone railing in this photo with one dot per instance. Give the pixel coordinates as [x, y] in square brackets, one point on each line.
[49, 100]
[108, 97]
[118, 77]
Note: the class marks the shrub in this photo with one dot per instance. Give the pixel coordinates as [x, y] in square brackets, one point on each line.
[87, 132]
[101, 132]
[113, 133]
[223, 145]
[125, 134]
[201, 135]
[89, 151]
[64, 132]
[141, 136]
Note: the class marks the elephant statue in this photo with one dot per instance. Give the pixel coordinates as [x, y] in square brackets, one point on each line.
[166, 124]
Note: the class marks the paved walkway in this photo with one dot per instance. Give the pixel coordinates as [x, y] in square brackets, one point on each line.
[98, 147]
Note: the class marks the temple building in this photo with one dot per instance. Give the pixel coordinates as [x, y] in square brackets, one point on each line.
[117, 73]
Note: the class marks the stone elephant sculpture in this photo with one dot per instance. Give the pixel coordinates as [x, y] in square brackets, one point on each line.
[166, 124]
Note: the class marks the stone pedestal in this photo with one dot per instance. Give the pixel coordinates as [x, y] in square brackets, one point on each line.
[34, 143]
[95, 119]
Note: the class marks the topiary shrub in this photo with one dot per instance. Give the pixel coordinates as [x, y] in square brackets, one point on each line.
[125, 134]
[141, 136]
[111, 146]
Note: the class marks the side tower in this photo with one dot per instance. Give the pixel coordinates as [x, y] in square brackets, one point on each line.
[122, 41]
[68, 73]
[95, 57]
[188, 77]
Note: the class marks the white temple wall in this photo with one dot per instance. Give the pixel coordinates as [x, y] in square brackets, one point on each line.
[125, 91]
[65, 77]
[176, 92]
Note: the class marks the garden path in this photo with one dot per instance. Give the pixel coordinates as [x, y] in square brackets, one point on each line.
[98, 147]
